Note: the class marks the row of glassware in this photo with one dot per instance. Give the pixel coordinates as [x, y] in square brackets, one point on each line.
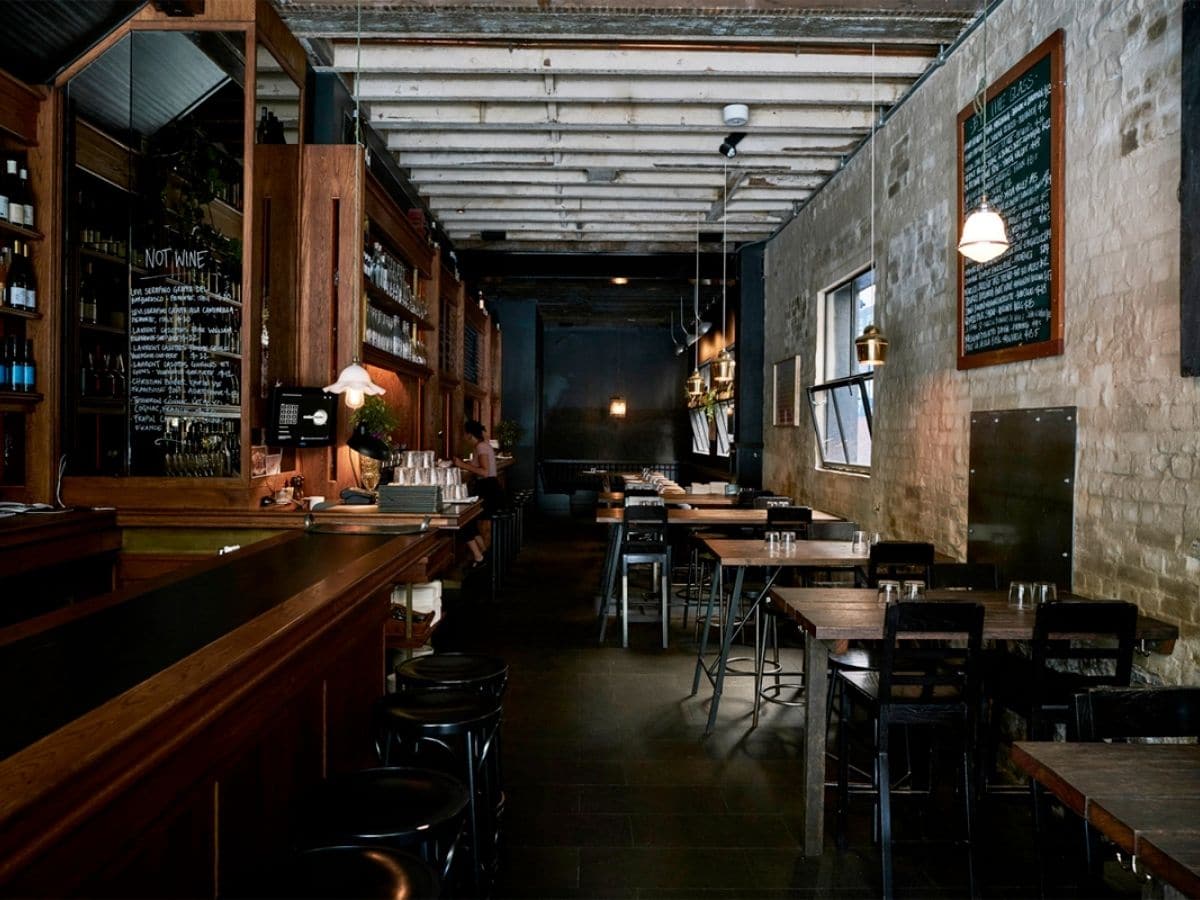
[390, 275]
[425, 475]
[393, 335]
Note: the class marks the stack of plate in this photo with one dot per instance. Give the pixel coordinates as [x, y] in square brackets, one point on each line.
[410, 498]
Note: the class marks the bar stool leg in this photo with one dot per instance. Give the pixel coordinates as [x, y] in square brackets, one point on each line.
[704, 627]
[666, 588]
[624, 604]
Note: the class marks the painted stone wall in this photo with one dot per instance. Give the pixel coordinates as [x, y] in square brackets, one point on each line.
[1137, 499]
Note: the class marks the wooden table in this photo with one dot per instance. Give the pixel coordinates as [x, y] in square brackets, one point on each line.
[839, 614]
[1145, 798]
[673, 498]
[742, 554]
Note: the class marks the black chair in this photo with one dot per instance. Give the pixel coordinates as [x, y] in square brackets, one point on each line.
[790, 518]
[458, 733]
[832, 531]
[747, 496]
[900, 559]
[768, 501]
[964, 576]
[644, 543]
[1098, 650]
[919, 683]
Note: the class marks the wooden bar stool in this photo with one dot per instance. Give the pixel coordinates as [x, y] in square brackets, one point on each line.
[471, 672]
[368, 872]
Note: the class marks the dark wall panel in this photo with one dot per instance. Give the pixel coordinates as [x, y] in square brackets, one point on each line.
[519, 388]
[582, 368]
[1189, 193]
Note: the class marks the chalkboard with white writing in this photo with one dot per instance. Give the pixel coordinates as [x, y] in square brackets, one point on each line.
[185, 365]
[1011, 308]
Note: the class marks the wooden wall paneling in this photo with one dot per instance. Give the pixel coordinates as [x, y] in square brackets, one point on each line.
[19, 108]
[354, 680]
[271, 31]
[383, 211]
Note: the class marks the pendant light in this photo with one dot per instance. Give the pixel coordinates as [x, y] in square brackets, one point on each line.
[616, 403]
[871, 346]
[355, 384]
[695, 383]
[983, 234]
[722, 369]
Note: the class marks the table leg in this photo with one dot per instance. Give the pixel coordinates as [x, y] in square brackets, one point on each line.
[608, 578]
[731, 620]
[812, 781]
[715, 582]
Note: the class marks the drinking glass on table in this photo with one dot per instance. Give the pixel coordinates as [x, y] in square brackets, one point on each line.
[772, 538]
[858, 543]
[876, 537]
[889, 592]
[912, 591]
[1020, 595]
[788, 539]
[1044, 592]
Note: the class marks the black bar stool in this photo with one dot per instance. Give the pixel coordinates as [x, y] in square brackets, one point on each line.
[368, 872]
[456, 732]
[419, 810]
[470, 672]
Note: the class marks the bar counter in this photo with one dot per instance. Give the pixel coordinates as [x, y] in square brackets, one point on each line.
[144, 730]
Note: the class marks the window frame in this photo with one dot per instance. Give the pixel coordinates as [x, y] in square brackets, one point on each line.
[861, 381]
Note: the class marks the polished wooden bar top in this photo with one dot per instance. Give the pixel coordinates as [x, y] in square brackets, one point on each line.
[757, 552]
[1145, 798]
[453, 516]
[857, 614]
[713, 516]
[99, 667]
[29, 541]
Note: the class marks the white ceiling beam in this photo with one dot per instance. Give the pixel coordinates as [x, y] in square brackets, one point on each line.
[570, 227]
[679, 62]
[625, 162]
[709, 178]
[403, 141]
[682, 240]
[490, 218]
[567, 190]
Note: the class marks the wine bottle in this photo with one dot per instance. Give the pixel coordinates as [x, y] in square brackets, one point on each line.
[27, 197]
[16, 366]
[29, 376]
[119, 376]
[5, 192]
[30, 282]
[16, 212]
[85, 376]
[14, 284]
[87, 296]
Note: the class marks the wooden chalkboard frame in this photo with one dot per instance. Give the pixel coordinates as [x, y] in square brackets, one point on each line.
[1052, 47]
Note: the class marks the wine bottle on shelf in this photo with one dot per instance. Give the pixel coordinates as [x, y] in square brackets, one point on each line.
[16, 212]
[30, 282]
[29, 373]
[16, 366]
[27, 197]
[87, 295]
[15, 281]
[85, 375]
[5, 194]
[118, 376]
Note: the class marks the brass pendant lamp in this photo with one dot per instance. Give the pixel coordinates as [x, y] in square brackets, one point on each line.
[722, 367]
[871, 346]
[695, 382]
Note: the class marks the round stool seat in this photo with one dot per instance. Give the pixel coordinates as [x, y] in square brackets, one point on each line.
[372, 873]
[454, 671]
[389, 805]
[435, 712]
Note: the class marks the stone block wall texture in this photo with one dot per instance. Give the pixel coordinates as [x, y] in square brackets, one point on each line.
[1137, 495]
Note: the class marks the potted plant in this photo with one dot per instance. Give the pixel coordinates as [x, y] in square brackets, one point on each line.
[508, 433]
[378, 420]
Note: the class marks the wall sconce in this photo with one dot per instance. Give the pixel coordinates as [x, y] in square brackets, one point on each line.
[355, 384]
[616, 407]
[871, 347]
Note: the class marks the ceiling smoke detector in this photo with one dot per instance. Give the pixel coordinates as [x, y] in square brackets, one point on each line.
[736, 115]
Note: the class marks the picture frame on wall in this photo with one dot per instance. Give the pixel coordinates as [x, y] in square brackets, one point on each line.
[786, 392]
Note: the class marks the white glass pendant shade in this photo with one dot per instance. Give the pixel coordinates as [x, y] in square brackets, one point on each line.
[871, 347]
[984, 236]
[695, 384]
[722, 369]
[616, 407]
[354, 384]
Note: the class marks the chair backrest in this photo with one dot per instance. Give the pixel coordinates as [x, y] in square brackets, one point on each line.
[645, 523]
[1143, 712]
[792, 518]
[832, 531]
[965, 576]
[930, 660]
[898, 559]
[644, 500]
[640, 490]
[747, 496]
[1101, 635]
[770, 500]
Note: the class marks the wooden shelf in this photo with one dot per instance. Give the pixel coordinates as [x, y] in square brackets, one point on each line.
[380, 299]
[88, 253]
[19, 231]
[376, 357]
[102, 406]
[448, 379]
[103, 329]
[19, 313]
[11, 401]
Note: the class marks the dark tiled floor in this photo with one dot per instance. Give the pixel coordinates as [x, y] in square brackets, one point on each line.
[613, 790]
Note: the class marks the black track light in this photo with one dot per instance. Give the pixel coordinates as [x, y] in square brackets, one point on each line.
[728, 146]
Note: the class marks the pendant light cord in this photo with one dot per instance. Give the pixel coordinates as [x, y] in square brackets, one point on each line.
[696, 300]
[874, 129]
[981, 104]
[724, 248]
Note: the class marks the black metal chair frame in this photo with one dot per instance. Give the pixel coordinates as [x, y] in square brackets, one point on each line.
[643, 542]
[931, 681]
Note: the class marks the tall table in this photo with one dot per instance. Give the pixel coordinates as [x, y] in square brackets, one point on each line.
[1145, 798]
[848, 614]
[774, 558]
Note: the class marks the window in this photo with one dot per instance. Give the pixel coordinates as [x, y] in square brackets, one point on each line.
[841, 400]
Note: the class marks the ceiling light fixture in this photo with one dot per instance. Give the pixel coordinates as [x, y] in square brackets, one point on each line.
[355, 383]
[983, 233]
[722, 368]
[736, 115]
[695, 382]
[871, 346]
[620, 280]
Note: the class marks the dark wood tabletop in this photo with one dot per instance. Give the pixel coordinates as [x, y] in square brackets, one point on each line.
[1145, 798]
[757, 552]
[714, 516]
[835, 614]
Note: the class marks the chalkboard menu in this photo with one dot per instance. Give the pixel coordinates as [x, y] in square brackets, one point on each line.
[185, 365]
[1011, 308]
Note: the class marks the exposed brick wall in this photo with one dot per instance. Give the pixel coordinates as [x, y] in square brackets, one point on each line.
[1137, 501]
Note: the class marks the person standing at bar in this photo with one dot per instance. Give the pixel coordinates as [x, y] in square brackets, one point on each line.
[487, 486]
